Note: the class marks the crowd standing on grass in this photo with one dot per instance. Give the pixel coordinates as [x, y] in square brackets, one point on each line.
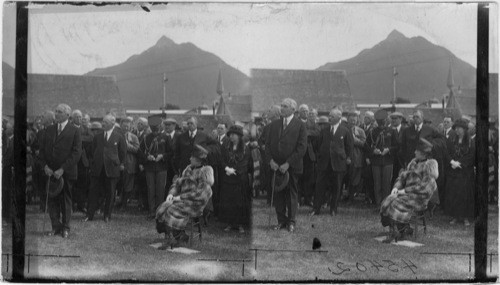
[294, 157]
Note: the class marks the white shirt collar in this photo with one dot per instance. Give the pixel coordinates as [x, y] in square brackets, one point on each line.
[193, 133]
[447, 130]
[419, 126]
[63, 125]
[334, 127]
[108, 132]
[222, 136]
[172, 134]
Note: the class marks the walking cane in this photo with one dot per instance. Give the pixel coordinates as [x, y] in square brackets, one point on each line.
[46, 203]
[272, 199]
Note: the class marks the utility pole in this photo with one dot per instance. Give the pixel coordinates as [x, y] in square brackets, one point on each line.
[394, 74]
[165, 79]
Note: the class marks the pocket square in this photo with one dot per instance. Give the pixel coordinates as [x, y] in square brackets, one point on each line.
[342, 138]
[116, 143]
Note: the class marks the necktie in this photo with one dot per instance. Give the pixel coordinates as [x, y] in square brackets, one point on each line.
[59, 129]
[105, 136]
[192, 135]
[285, 123]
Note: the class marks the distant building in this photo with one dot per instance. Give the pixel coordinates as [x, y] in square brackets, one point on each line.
[95, 95]
[318, 89]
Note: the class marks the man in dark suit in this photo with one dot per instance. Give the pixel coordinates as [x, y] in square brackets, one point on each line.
[308, 178]
[448, 131]
[286, 145]
[141, 188]
[221, 134]
[272, 114]
[47, 120]
[172, 134]
[60, 151]
[128, 174]
[108, 160]
[398, 163]
[185, 144]
[335, 146]
[81, 188]
[412, 135]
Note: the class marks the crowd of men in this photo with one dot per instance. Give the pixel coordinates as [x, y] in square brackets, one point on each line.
[327, 160]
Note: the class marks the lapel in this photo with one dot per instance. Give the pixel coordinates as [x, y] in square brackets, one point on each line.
[288, 127]
[64, 131]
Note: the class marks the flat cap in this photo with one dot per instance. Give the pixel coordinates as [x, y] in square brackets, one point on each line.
[95, 126]
[323, 120]
[397, 114]
[170, 121]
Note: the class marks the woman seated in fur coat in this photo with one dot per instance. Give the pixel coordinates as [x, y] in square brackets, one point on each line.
[411, 193]
[188, 196]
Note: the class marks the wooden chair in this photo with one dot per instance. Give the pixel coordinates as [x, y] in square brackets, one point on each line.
[418, 219]
[194, 224]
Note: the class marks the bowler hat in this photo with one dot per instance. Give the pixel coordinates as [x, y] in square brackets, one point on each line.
[235, 129]
[95, 126]
[55, 186]
[280, 180]
[323, 120]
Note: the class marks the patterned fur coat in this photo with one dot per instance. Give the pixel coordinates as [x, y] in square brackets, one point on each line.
[194, 190]
[419, 182]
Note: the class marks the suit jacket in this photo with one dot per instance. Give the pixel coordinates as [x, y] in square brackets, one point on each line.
[381, 138]
[399, 157]
[312, 135]
[61, 151]
[451, 135]
[359, 139]
[410, 140]
[185, 145]
[87, 138]
[155, 144]
[132, 148]
[109, 154]
[172, 142]
[335, 148]
[287, 145]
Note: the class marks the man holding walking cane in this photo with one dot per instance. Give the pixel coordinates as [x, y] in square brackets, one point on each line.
[60, 151]
[286, 145]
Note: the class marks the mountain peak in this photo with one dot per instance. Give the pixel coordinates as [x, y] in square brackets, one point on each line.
[164, 41]
[395, 35]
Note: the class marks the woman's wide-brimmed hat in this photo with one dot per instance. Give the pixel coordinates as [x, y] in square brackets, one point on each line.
[461, 123]
[235, 129]
[199, 152]
[280, 180]
[424, 146]
[55, 186]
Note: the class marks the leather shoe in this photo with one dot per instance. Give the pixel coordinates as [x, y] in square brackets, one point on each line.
[106, 219]
[65, 234]
[54, 232]
[314, 213]
[291, 228]
[279, 227]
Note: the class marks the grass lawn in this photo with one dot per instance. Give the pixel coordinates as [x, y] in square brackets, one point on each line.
[120, 251]
[353, 254]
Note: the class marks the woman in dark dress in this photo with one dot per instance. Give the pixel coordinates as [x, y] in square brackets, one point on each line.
[235, 189]
[460, 175]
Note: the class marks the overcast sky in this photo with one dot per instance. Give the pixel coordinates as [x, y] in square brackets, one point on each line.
[75, 40]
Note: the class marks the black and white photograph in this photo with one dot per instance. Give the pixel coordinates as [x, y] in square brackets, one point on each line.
[250, 141]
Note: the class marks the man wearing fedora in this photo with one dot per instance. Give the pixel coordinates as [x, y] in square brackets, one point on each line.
[286, 145]
[335, 146]
[108, 160]
[60, 151]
